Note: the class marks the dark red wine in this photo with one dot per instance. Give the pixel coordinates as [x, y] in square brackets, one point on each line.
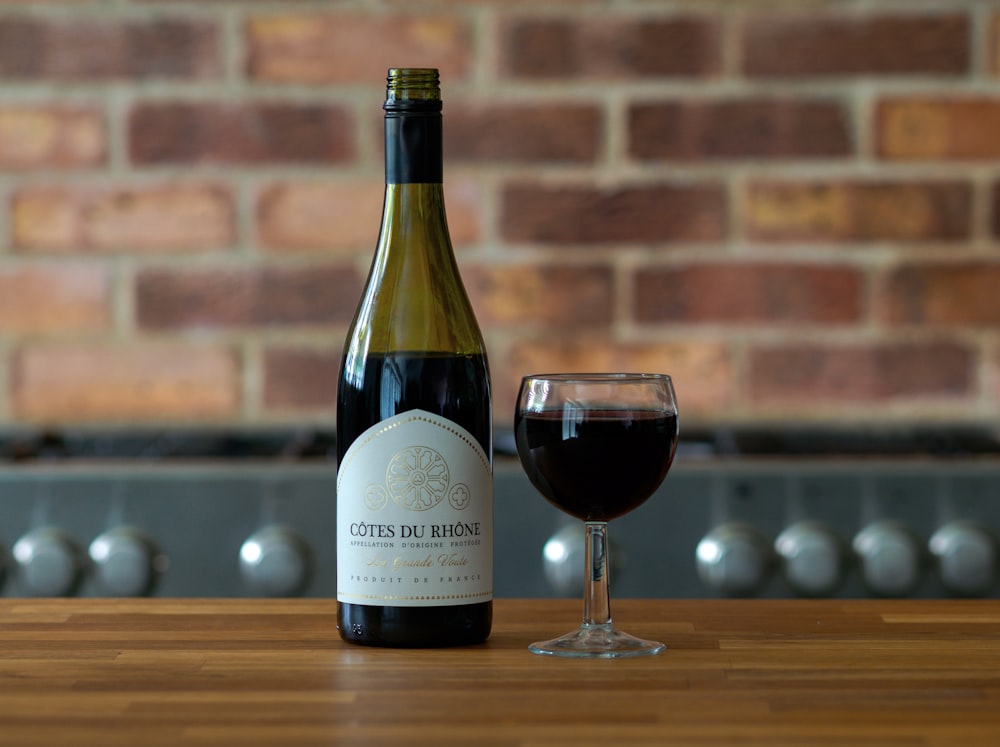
[454, 387]
[601, 463]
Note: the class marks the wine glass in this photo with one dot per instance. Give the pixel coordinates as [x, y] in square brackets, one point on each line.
[596, 446]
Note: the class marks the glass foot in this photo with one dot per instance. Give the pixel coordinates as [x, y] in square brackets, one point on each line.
[597, 642]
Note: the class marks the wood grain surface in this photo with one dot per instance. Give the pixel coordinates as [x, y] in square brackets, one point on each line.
[261, 672]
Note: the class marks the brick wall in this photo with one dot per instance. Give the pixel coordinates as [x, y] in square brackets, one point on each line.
[794, 207]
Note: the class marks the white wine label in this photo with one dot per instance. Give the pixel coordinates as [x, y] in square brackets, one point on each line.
[415, 515]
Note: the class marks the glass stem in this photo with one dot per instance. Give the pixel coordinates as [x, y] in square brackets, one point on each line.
[596, 593]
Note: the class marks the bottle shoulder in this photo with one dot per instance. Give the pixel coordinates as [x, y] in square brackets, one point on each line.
[414, 297]
[395, 322]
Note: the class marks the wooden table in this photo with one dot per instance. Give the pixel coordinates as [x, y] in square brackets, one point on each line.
[247, 672]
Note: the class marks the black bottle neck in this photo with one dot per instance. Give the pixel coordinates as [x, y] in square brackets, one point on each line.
[413, 145]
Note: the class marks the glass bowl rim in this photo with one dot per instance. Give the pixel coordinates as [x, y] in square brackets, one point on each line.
[596, 377]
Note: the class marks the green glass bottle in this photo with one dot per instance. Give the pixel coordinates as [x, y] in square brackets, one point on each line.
[414, 414]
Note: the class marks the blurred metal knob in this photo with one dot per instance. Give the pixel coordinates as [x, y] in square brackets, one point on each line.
[276, 562]
[812, 558]
[49, 562]
[126, 562]
[734, 559]
[890, 557]
[563, 559]
[966, 556]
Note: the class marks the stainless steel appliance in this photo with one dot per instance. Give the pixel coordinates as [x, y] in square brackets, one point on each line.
[778, 513]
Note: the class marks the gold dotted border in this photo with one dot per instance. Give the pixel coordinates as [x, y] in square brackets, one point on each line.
[485, 595]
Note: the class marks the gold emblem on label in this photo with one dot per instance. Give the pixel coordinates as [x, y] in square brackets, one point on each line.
[375, 497]
[418, 478]
[459, 496]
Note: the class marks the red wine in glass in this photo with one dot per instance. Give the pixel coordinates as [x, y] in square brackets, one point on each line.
[596, 446]
[598, 464]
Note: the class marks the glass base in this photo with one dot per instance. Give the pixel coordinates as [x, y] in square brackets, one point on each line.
[597, 642]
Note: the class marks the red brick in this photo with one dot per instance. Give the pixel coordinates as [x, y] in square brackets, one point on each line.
[320, 215]
[512, 133]
[354, 47]
[963, 294]
[609, 47]
[84, 49]
[743, 128]
[464, 198]
[76, 383]
[67, 298]
[247, 133]
[647, 213]
[858, 211]
[142, 218]
[815, 44]
[241, 297]
[703, 371]
[746, 293]
[839, 374]
[996, 209]
[300, 380]
[939, 128]
[520, 294]
[51, 137]
[346, 216]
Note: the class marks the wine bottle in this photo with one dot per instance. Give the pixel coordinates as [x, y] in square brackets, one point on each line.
[414, 416]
